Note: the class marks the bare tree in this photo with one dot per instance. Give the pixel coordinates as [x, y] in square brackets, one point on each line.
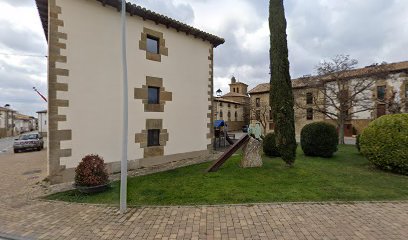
[259, 111]
[395, 104]
[340, 94]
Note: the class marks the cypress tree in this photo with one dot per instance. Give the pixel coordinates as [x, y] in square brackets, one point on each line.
[281, 95]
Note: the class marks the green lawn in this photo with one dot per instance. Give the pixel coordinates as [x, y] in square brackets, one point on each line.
[346, 177]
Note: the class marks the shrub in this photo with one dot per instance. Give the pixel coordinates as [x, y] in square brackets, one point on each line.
[91, 171]
[269, 146]
[385, 143]
[319, 139]
[358, 142]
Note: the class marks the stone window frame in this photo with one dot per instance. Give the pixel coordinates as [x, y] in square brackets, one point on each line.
[142, 138]
[163, 50]
[143, 94]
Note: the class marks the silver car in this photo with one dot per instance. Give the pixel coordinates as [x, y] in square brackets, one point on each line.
[28, 141]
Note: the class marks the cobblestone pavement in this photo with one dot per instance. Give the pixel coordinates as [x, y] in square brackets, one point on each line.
[22, 216]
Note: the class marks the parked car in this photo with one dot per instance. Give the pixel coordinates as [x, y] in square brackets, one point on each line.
[28, 141]
[245, 128]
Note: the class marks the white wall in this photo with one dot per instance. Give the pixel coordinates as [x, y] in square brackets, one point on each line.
[3, 119]
[95, 84]
[42, 122]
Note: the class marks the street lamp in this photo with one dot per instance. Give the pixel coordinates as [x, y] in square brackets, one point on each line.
[219, 93]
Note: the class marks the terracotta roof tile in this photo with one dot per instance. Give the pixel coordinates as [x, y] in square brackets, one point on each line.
[233, 94]
[220, 99]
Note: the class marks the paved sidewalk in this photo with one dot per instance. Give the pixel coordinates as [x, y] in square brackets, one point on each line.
[56, 220]
[23, 216]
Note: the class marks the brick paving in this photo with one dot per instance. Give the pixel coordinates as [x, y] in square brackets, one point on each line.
[24, 217]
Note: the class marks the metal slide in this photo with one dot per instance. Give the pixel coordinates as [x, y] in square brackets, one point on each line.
[229, 140]
[228, 153]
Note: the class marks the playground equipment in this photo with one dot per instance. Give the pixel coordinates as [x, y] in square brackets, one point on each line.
[254, 130]
[224, 157]
[221, 134]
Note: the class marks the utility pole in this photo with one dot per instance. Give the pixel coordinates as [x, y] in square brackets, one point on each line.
[124, 162]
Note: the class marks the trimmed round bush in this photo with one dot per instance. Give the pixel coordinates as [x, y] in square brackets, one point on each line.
[319, 139]
[385, 143]
[269, 146]
[91, 171]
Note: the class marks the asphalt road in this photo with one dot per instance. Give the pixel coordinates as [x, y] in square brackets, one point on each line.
[6, 144]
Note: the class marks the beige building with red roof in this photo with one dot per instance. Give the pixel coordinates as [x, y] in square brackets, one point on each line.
[6, 121]
[232, 107]
[395, 80]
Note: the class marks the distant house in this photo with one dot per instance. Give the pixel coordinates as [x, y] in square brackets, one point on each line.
[170, 72]
[395, 80]
[23, 123]
[6, 121]
[233, 107]
[231, 112]
[42, 122]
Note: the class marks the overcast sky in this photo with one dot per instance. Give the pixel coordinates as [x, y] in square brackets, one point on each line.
[368, 30]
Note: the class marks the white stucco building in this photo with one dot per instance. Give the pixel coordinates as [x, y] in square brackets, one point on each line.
[6, 121]
[42, 122]
[170, 72]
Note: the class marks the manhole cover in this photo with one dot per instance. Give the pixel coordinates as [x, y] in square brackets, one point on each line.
[32, 172]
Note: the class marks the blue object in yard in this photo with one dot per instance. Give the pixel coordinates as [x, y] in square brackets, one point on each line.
[219, 123]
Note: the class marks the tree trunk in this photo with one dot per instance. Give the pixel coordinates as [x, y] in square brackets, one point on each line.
[341, 132]
[252, 154]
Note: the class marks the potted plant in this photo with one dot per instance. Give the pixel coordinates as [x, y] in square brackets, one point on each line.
[91, 175]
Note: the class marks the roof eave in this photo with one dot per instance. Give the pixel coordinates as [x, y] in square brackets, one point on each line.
[133, 9]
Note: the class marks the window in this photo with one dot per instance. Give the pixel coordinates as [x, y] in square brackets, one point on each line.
[381, 93]
[152, 44]
[153, 136]
[233, 89]
[258, 115]
[309, 98]
[236, 116]
[45, 122]
[229, 115]
[258, 102]
[270, 115]
[236, 106]
[229, 105]
[153, 95]
[237, 90]
[221, 115]
[380, 110]
[220, 104]
[406, 90]
[309, 114]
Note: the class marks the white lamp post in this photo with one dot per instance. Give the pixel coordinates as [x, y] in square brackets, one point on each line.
[124, 162]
